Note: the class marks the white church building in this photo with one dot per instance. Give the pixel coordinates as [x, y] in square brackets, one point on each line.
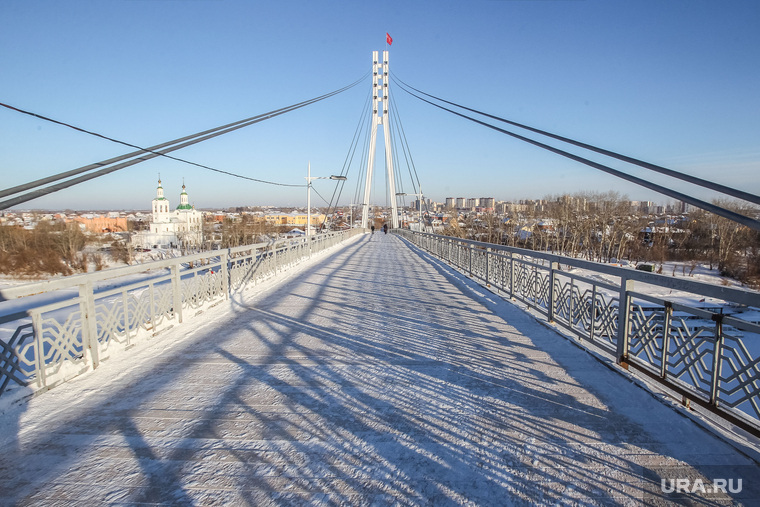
[172, 228]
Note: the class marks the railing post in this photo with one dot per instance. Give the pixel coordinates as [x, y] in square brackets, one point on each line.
[152, 289]
[665, 339]
[89, 323]
[511, 275]
[488, 265]
[471, 249]
[592, 314]
[624, 311]
[127, 328]
[177, 292]
[553, 266]
[571, 307]
[224, 257]
[39, 354]
[717, 356]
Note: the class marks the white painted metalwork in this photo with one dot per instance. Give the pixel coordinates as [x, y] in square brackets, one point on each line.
[68, 325]
[709, 358]
[380, 116]
[419, 197]
[309, 179]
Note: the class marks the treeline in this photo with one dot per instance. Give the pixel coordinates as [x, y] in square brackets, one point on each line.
[58, 248]
[603, 228]
[245, 230]
[50, 248]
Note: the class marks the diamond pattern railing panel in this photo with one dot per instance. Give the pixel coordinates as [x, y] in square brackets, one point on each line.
[18, 357]
[688, 350]
[57, 343]
[739, 377]
[646, 335]
[605, 321]
[690, 355]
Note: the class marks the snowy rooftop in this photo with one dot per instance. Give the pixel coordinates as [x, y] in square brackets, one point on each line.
[374, 375]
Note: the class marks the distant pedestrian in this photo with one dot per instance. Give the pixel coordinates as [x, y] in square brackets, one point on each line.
[373, 229]
[385, 228]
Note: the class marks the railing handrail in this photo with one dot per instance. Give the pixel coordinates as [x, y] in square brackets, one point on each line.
[81, 324]
[738, 295]
[66, 282]
[706, 356]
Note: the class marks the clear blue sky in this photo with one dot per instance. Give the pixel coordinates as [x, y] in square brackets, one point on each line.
[676, 83]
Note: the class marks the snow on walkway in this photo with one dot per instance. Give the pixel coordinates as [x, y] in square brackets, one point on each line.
[375, 375]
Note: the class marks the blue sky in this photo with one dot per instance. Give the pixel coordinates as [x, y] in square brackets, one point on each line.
[676, 83]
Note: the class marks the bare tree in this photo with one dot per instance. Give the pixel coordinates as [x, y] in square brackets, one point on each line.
[734, 240]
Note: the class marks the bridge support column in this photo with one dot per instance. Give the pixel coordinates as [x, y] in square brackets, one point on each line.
[380, 117]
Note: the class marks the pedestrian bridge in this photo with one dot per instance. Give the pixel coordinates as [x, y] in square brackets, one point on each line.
[371, 373]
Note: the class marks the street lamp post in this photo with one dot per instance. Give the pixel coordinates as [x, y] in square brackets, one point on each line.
[351, 215]
[309, 179]
[419, 200]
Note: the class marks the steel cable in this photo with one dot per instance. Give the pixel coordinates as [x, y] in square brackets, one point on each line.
[731, 215]
[740, 194]
[152, 153]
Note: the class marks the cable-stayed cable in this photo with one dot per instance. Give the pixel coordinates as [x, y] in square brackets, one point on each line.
[740, 194]
[361, 181]
[394, 140]
[73, 172]
[349, 159]
[149, 153]
[414, 176]
[731, 215]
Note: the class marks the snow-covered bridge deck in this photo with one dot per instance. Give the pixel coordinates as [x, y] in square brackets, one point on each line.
[374, 375]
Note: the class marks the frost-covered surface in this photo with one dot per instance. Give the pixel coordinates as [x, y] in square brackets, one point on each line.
[370, 376]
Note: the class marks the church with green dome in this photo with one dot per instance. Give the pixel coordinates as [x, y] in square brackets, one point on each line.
[181, 227]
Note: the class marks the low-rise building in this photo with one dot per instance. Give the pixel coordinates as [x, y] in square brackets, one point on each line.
[101, 223]
[294, 219]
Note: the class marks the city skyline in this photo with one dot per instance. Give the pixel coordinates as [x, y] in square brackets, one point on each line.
[175, 197]
[669, 83]
[412, 204]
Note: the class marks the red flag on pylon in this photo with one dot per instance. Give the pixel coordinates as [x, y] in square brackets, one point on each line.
[388, 38]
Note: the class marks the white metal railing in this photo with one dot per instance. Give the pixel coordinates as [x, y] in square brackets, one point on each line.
[707, 352]
[53, 330]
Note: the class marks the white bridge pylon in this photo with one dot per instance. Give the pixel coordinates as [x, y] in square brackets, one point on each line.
[380, 116]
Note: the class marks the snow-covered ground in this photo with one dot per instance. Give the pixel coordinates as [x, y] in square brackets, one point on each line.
[370, 376]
